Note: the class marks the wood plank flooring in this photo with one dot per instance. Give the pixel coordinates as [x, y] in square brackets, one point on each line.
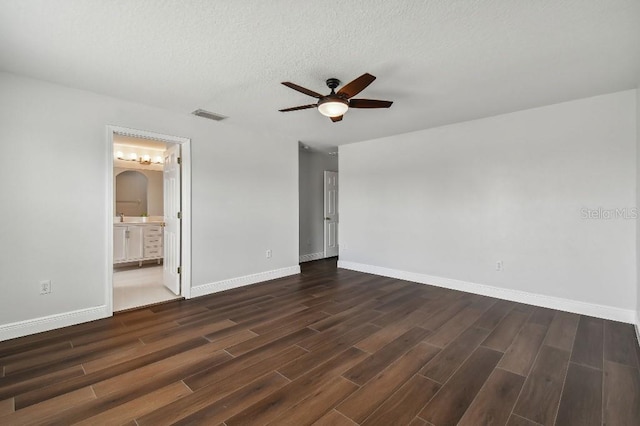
[327, 347]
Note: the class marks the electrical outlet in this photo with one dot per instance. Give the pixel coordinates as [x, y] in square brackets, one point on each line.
[268, 254]
[45, 287]
[499, 266]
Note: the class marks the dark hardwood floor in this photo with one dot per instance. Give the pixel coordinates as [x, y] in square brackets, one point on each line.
[327, 347]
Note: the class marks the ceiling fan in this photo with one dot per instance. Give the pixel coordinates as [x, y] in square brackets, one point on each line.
[334, 105]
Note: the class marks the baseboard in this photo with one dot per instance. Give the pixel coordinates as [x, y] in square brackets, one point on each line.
[203, 290]
[568, 305]
[311, 256]
[51, 322]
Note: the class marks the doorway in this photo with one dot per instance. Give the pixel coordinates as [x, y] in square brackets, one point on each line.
[330, 214]
[148, 254]
[318, 236]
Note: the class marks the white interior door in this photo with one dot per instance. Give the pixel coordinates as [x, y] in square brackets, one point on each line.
[171, 173]
[330, 214]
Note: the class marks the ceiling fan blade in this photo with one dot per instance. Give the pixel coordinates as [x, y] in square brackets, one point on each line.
[356, 86]
[338, 118]
[298, 108]
[302, 89]
[369, 103]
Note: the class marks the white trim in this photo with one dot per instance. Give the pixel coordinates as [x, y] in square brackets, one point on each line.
[185, 249]
[51, 322]
[202, 290]
[568, 305]
[637, 324]
[185, 235]
[108, 284]
[311, 256]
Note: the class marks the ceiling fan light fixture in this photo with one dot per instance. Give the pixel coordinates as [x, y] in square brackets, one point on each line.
[335, 104]
[333, 107]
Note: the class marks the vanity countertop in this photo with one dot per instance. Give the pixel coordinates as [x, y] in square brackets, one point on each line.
[137, 223]
[137, 220]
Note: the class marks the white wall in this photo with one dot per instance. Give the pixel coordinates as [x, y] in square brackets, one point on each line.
[244, 196]
[312, 164]
[449, 202]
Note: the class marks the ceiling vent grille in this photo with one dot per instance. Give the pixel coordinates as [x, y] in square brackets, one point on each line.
[207, 114]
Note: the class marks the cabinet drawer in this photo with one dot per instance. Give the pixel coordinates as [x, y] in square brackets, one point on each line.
[152, 252]
[152, 240]
[152, 231]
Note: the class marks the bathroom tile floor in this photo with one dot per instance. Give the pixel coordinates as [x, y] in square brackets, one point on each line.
[134, 287]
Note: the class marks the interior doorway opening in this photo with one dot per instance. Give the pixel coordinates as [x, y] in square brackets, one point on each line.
[318, 208]
[149, 219]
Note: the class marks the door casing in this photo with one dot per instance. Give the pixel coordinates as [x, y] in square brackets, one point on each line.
[185, 190]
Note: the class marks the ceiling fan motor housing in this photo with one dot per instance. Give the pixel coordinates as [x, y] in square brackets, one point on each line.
[332, 83]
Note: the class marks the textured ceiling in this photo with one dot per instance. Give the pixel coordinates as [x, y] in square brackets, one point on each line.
[440, 61]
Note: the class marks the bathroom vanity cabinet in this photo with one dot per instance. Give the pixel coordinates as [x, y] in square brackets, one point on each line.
[137, 242]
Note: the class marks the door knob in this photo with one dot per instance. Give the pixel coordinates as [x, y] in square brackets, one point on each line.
[327, 218]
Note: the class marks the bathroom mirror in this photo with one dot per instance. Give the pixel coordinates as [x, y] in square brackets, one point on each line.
[131, 193]
[138, 192]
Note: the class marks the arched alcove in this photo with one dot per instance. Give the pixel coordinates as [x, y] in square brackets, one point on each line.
[131, 193]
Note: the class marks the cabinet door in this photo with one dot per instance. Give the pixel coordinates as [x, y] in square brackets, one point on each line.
[135, 242]
[119, 244]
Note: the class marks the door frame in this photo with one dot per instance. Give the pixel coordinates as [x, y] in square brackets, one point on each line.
[185, 206]
[324, 215]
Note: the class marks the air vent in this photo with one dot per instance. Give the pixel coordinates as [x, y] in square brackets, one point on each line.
[210, 115]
